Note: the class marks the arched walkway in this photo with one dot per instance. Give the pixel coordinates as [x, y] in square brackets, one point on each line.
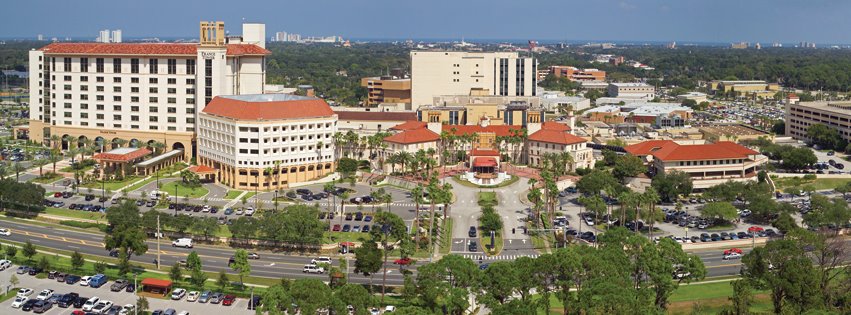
[177, 146]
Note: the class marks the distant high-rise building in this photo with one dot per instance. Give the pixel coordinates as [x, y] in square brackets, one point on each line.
[116, 36]
[776, 45]
[757, 46]
[739, 45]
[671, 45]
[103, 37]
[281, 36]
[40, 37]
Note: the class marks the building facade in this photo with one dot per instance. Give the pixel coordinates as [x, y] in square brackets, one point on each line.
[267, 141]
[137, 93]
[555, 138]
[707, 164]
[633, 90]
[435, 73]
[576, 74]
[386, 89]
[800, 116]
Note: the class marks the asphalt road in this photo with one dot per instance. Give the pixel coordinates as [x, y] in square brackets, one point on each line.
[215, 259]
[270, 264]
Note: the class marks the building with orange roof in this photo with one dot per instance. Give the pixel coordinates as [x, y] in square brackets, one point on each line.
[555, 138]
[140, 92]
[707, 164]
[267, 141]
[576, 74]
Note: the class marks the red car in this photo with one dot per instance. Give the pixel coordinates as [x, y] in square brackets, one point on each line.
[78, 312]
[336, 228]
[57, 195]
[228, 300]
[732, 250]
[755, 229]
[403, 261]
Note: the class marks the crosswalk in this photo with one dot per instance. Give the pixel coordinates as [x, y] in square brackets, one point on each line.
[498, 257]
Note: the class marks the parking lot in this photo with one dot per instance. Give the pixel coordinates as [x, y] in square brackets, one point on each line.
[122, 297]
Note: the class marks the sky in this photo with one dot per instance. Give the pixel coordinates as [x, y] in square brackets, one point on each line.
[718, 21]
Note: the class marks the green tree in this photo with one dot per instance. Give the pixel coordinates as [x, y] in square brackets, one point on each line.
[207, 226]
[672, 184]
[193, 261]
[368, 259]
[240, 264]
[198, 278]
[11, 251]
[356, 296]
[628, 166]
[596, 182]
[126, 235]
[28, 250]
[175, 273]
[781, 267]
[742, 297]
[142, 304]
[276, 300]
[390, 229]
[310, 295]
[43, 263]
[719, 210]
[798, 158]
[223, 280]
[244, 227]
[100, 267]
[826, 137]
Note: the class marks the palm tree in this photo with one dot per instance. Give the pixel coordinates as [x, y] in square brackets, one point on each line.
[339, 139]
[651, 197]
[267, 172]
[278, 172]
[54, 157]
[417, 195]
[54, 141]
[158, 147]
[40, 163]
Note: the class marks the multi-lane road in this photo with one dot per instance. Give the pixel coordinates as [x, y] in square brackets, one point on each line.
[270, 264]
[214, 258]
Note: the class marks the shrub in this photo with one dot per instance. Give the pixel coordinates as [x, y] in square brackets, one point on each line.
[84, 225]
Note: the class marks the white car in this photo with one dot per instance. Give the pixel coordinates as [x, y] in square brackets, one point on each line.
[182, 242]
[44, 294]
[732, 256]
[178, 294]
[321, 260]
[313, 269]
[127, 309]
[4, 264]
[84, 281]
[389, 309]
[90, 303]
[250, 211]
[19, 301]
[24, 292]
[192, 296]
[183, 313]
[206, 208]
[5, 232]
[101, 307]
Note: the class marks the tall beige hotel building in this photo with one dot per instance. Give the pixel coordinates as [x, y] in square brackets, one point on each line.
[438, 73]
[141, 92]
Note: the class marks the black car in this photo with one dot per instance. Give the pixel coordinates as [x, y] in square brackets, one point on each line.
[715, 237]
[254, 302]
[473, 247]
[472, 232]
[78, 303]
[359, 216]
[322, 215]
[704, 237]
[588, 236]
[347, 228]
[113, 253]
[28, 305]
[140, 203]
[303, 191]
[348, 216]
[90, 197]
[151, 203]
[35, 270]
[130, 288]
[52, 274]
[72, 279]
[68, 300]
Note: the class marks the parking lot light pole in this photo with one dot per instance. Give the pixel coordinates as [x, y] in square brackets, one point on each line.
[135, 292]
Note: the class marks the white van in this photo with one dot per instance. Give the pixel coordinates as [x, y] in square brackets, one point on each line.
[155, 195]
[90, 304]
[182, 242]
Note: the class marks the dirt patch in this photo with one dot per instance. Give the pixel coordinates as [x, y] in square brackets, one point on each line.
[710, 306]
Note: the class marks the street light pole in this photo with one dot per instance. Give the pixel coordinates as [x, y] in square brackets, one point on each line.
[135, 292]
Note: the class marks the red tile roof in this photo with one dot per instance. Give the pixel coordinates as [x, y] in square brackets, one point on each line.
[484, 152]
[484, 162]
[413, 136]
[499, 130]
[260, 110]
[552, 125]
[555, 136]
[122, 157]
[375, 116]
[666, 150]
[647, 147]
[167, 49]
[202, 169]
[159, 283]
[409, 125]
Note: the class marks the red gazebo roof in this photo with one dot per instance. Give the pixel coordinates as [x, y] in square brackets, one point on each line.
[160, 283]
[484, 162]
[122, 154]
[202, 169]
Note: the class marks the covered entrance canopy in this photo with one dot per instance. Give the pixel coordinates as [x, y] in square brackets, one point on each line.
[205, 173]
[116, 161]
[484, 161]
[159, 162]
[156, 286]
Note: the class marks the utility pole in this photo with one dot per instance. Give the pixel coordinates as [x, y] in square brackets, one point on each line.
[158, 242]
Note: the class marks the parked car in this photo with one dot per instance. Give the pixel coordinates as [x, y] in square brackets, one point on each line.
[42, 306]
[228, 300]
[216, 298]
[19, 301]
[204, 297]
[24, 292]
[84, 281]
[118, 285]
[90, 303]
[44, 294]
[28, 305]
[472, 232]
[101, 307]
[68, 300]
[178, 294]
[192, 296]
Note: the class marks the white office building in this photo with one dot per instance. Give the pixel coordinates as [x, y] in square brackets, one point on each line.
[139, 92]
[436, 73]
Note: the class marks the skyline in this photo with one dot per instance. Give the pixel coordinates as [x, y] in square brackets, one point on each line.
[723, 21]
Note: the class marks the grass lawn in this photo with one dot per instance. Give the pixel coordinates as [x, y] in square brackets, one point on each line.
[76, 214]
[141, 184]
[488, 198]
[485, 239]
[183, 191]
[166, 172]
[47, 179]
[446, 237]
[818, 184]
[112, 185]
[462, 182]
[10, 294]
[233, 194]
[337, 237]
